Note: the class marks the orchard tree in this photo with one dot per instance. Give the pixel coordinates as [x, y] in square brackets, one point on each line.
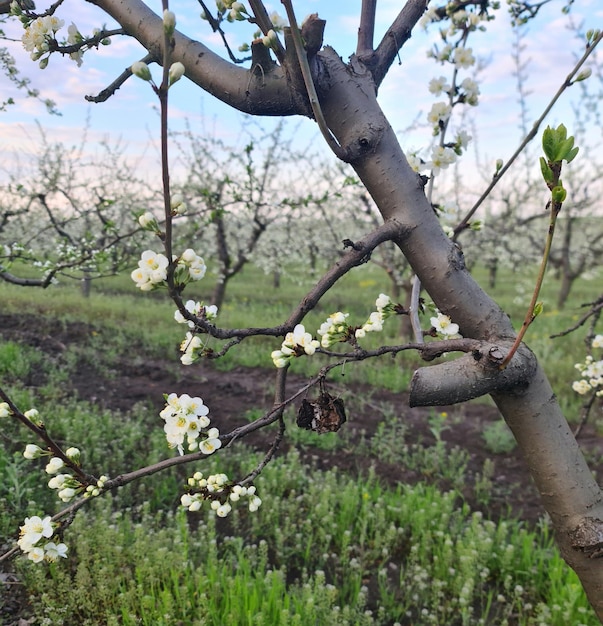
[241, 197]
[72, 216]
[294, 74]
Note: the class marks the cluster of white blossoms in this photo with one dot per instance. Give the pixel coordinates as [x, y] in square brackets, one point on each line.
[385, 309]
[440, 112]
[190, 267]
[466, 92]
[32, 540]
[192, 349]
[186, 418]
[591, 372]
[220, 492]
[67, 486]
[36, 531]
[335, 329]
[444, 327]
[460, 20]
[38, 33]
[192, 346]
[4, 409]
[151, 272]
[208, 312]
[295, 344]
[441, 158]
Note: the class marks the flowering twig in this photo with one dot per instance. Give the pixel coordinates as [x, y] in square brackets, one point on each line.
[39, 429]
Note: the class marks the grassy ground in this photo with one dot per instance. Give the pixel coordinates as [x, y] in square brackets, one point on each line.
[326, 547]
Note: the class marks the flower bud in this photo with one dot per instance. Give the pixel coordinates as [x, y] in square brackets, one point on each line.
[176, 72]
[269, 39]
[32, 451]
[66, 494]
[147, 221]
[141, 70]
[4, 409]
[169, 21]
[73, 454]
[54, 465]
[583, 75]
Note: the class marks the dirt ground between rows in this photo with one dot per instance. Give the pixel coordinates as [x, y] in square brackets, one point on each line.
[231, 394]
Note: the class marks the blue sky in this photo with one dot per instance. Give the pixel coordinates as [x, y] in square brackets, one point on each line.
[131, 114]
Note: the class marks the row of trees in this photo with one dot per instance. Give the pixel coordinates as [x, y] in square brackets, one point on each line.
[240, 209]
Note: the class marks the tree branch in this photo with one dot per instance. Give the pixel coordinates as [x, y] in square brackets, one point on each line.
[366, 30]
[471, 376]
[395, 37]
[253, 93]
[356, 255]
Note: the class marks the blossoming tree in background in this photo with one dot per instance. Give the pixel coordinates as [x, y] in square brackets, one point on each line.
[72, 217]
[291, 73]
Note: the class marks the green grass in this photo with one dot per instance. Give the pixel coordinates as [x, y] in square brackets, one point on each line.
[324, 548]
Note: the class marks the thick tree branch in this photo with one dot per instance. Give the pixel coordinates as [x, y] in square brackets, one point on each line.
[246, 91]
[471, 376]
[395, 37]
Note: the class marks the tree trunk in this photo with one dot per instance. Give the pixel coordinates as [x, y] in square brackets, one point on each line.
[492, 272]
[86, 284]
[219, 292]
[568, 490]
[567, 281]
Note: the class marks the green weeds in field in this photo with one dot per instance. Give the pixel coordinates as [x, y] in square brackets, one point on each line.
[325, 548]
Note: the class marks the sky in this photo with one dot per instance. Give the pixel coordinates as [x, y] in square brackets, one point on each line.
[131, 117]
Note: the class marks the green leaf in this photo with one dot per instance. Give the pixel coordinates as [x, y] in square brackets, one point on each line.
[548, 143]
[547, 173]
[571, 154]
[538, 308]
[565, 147]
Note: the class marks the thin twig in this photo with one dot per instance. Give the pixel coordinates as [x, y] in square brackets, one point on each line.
[339, 151]
[528, 138]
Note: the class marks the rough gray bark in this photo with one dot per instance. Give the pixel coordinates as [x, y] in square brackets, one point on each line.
[347, 94]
